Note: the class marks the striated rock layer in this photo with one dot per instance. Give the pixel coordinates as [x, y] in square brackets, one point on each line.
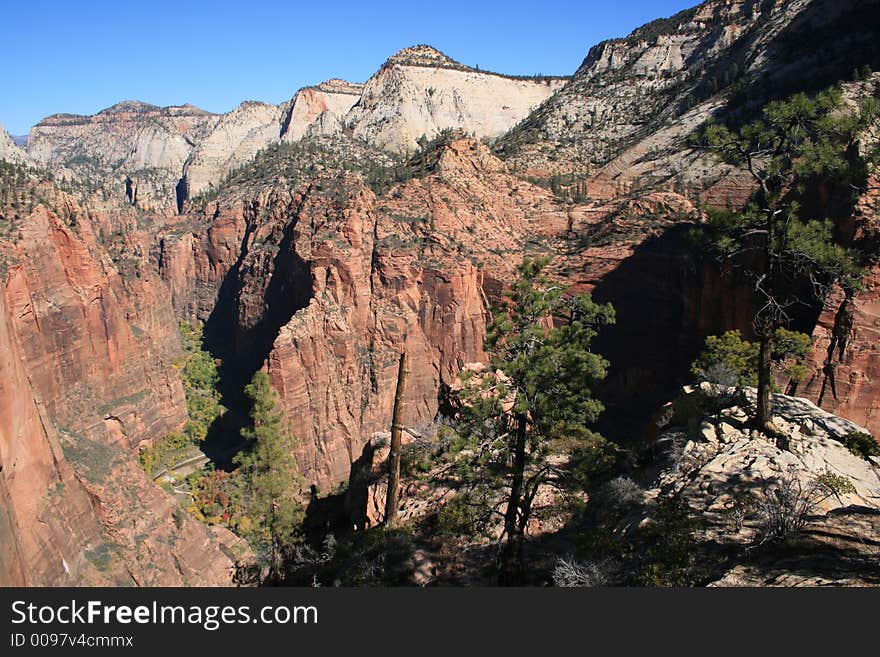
[85, 345]
[319, 110]
[844, 366]
[133, 150]
[331, 282]
[157, 158]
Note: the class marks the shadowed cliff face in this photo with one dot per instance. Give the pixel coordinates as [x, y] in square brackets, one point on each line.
[844, 365]
[686, 297]
[331, 282]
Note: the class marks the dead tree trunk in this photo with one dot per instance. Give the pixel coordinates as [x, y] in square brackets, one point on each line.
[392, 498]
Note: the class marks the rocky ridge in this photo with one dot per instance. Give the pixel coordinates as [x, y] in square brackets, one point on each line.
[635, 100]
[320, 110]
[10, 151]
[419, 92]
[157, 158]
[720, 466]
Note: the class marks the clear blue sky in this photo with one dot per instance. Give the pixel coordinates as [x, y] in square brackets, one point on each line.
[81, 57]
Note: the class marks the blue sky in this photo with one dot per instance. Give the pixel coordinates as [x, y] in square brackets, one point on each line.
[81, 57]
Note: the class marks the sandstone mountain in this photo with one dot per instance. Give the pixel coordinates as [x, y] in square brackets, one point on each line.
[133, 151]
[419, 92]
[317, 239]
[325, 282]
[633, 102]
[235, 139]
[157, 158]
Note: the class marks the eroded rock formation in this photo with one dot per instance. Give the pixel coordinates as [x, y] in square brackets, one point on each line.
[419, 92]
[85, 376]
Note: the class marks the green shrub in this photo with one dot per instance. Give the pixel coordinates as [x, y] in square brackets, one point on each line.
[729, 360]
[200, 378]
[464, 515]
[862, 444]
[157, 456]
[669, 557]
[376, 557]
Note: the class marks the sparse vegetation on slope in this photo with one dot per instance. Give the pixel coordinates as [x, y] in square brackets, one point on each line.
[292, 164]
[198, 373]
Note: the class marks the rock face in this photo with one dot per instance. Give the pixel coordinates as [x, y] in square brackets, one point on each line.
[844, 365]
[420, 92]
[84, 378]
[133, 141]
[252, 126]
[157, 158]
[235, 139]
[644, 91]
[97, 346]
[332, 282]
[319, 110]
[719, 464]
[10, 152]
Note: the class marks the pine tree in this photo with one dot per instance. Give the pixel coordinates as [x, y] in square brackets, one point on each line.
[540, 401]
[270, 480]
[797, 142]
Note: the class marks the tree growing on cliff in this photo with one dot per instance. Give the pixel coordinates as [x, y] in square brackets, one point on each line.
[533, 400]
[269, 481]
[792, 261]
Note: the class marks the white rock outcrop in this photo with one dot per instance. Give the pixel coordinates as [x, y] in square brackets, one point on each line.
[236, 138]
[721, 459]
[10, 152]
[319, 110]
[131, 140]
[420, 92]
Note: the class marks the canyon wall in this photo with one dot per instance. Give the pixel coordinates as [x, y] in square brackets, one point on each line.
[331, 282]
[85, 376]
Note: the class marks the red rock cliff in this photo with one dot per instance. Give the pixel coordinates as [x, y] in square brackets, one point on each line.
[84, 377]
